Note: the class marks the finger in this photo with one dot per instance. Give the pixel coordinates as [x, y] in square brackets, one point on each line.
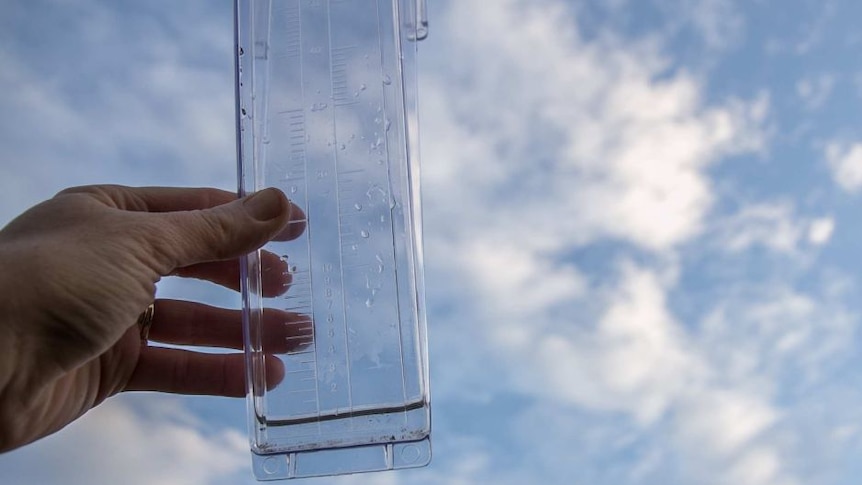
[185, 238]
[275, 277]
[156, 199]
[169, 199]
[184, 372]
[295, 227]
[188, 323]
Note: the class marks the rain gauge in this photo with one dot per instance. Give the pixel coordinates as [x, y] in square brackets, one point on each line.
[326, 112]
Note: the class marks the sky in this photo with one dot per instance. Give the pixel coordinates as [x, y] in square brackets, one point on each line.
[641, 248]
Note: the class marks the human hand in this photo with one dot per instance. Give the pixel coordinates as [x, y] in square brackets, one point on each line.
[78, 269]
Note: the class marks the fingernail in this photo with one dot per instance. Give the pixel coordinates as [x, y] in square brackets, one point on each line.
[265, 205]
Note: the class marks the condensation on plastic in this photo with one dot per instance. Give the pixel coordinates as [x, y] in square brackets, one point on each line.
[326, 112]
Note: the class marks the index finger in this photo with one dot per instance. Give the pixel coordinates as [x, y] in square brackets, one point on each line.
[155, 199]
[169, 199]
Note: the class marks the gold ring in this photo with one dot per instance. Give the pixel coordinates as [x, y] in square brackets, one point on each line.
[145, 321]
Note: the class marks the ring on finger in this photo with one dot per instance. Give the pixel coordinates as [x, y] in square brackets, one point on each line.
[145, 321]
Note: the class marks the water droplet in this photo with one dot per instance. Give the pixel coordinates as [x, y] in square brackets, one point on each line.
[387, 126]
[363, 87]
[383, 219]
[375, 192]
[379, 268]
[318, 107]
[387, 80]
[242, 110]
[293, 189]
[307, 138]
[369, 302]
[376, 120]
[380, 161]
[293, 269]
[241, 52]
[357, 206]
[342, 147]
[364, 233]
[353, 247]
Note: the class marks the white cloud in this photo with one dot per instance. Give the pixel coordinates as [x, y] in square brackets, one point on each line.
[723, 421]
[820, 231]
[813, 28]
[618, 350]
[554, 144]
[573, 142]
[771, 332]
[504, 268]
[773, 225]
[117, 444]
[718, 24]
[718, 21]
[634, 360]
[154, 112]
[845, 161]
[815, 90]
[761, 465]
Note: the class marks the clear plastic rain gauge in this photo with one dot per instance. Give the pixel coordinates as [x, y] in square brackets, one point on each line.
[326, 112]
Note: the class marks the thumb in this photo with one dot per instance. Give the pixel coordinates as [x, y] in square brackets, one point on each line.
[221, 232]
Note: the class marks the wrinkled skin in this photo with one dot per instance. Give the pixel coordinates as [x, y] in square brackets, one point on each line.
[78, 269]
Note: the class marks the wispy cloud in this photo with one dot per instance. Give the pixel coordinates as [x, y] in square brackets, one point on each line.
[555, 143]
[129, 111]
[140, 443]
[719, 22]
[845, 163]
[773, 225]
[815, 90]
[583, 128]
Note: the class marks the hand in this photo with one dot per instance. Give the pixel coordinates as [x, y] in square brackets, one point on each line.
[78, 269]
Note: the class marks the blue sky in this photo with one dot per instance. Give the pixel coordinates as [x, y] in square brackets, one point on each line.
[640, 226]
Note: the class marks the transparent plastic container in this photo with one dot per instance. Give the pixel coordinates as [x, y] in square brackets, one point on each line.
[326, 112]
